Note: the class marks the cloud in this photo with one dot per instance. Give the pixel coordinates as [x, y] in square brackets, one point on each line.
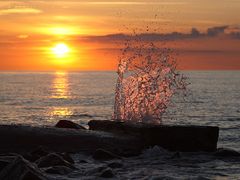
[216, 30]
[21, 10]
[193, 34]
[22, 36]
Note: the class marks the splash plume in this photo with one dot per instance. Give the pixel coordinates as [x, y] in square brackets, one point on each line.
[147, 81]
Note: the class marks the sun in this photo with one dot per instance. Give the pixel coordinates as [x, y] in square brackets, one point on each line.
[61, 50]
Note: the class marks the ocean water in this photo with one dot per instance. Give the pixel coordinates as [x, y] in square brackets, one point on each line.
[41, 99]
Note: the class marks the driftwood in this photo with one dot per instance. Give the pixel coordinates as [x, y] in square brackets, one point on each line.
[174, 138]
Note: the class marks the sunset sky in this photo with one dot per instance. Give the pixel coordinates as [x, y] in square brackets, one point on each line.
[74, 35]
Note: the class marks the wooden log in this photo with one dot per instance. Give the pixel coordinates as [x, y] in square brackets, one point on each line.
[15, 138]
[174, 138]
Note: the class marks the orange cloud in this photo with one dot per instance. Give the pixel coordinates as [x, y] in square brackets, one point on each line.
[21, 10]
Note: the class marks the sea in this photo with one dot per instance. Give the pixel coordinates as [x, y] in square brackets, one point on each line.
[44, 98]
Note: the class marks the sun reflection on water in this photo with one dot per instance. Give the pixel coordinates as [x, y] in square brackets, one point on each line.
[61, 111]
[60, 86]
[60, 91]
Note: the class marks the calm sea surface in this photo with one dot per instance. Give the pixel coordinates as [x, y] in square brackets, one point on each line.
[44, 98]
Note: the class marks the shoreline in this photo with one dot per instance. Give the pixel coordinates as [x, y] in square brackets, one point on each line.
[50, 153]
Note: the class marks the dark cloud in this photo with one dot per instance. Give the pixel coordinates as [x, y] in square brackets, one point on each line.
[193, 34]
[215, 31]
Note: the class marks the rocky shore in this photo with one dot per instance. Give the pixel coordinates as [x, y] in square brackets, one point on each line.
[29, 153]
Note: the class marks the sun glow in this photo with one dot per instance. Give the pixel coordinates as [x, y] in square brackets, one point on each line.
[61, 50]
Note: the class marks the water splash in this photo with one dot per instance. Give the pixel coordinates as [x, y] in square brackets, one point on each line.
[147, 81]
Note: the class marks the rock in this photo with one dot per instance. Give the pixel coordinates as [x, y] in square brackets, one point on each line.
[67, 157]
[173, 138]
[18, 139]
[82, 161]
[107, 173]
[3, 164]
[53, 160]
[101, 154]
[6, 159]
[176, 155]
[115, 165]
[224, 152]
[61, 170]
[21, 169]
[96, 170]
[36, 154]
[68, 124]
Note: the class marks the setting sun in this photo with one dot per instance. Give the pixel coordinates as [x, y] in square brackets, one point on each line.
[60, 50]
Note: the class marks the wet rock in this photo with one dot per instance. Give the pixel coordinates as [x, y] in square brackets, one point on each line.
[68, 124]
[6, 159]
[96, 170]
[107, 173]
[20, 139]
[176, 155]
[3, 163]
[82, 161]
[101, 154]
[36, 154]
[161, 178]
[67, 157]
[114, 165]
[173, 138]
[61, 170]
[21, 169]
[53, 160]
[224, 152]
[202, 178]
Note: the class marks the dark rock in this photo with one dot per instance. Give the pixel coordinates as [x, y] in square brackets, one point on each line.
[176, 155]
[6, 159]
[3, 163]
[36, 154]
[173, 138]
[53, 160]
[32, 176]
[21, 169]
[22, 139]
[161, 178]
[114, 165]
[101, 154]
[61, 170]
[67, 157]
[224, 152]
[83, 161]
[107, 173]
[68, 124]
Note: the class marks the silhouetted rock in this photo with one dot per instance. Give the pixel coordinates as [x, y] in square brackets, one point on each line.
[21, 169]
[101, 154]
[3, 163]
[114, 165]
[67, 157]
[173, 138]
[176, 155]
[107, 173]
[68, 124]
[61, 170]
[224, 152]
[6, 159]
[82, 161]
[53, 160]
[36, 154]
[22, 139]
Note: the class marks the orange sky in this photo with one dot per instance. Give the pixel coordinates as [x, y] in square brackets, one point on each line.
[30, 29]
